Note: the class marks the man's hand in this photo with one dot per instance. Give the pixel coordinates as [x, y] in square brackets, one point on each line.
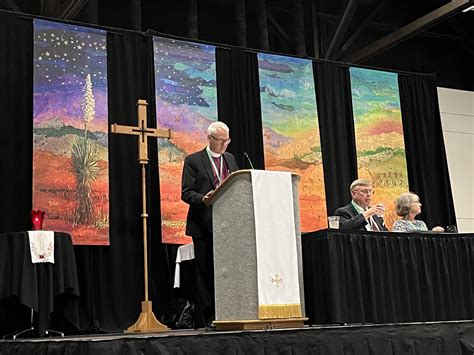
[206, 198]
[378, 209]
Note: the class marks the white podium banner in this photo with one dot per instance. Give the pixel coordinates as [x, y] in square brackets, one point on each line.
[277, 267]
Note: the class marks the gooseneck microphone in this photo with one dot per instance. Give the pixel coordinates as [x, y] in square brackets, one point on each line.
[248, 158]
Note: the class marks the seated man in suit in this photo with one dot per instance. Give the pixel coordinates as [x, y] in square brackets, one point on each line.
[359, 215]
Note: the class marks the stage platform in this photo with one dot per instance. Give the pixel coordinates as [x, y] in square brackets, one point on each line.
[454, 337]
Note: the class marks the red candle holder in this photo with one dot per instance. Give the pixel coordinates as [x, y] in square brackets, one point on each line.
[37, 218]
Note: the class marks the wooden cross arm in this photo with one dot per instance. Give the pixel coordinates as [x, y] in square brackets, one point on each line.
[161, 133]
[116, 128]
[149, 132]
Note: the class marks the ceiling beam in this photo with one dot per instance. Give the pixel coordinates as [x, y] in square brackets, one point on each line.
[278, 28]
[467, 40]
[409, 30]
[61, 9]
[262, 25]
[73, 9]
[359, 30]
[315, 26]
[341, 28]
[384, 27]
[12, 5]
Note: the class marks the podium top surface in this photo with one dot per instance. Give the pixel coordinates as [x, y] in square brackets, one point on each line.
[233, 176]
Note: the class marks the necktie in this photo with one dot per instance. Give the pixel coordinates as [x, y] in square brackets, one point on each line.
[373, 225]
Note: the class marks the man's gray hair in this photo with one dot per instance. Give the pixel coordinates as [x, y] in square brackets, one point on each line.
[404, 202]
[214, 126]
[360, 182]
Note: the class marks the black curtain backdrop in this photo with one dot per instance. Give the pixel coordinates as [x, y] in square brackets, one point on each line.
[427, 167]
[111, 278]
[238, 94]
[336, 125]
[16, 134]
[161, 257]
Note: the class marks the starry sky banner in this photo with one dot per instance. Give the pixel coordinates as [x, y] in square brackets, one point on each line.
[379, 135]
[186, 103]
[291, 131]
[70, 131]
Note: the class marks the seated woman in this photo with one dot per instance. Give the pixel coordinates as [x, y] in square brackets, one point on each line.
[408, 206]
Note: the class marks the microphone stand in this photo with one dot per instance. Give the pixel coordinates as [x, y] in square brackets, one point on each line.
[248, 159]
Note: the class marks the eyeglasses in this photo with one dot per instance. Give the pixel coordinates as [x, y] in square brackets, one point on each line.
[366, 192]
[224, 141]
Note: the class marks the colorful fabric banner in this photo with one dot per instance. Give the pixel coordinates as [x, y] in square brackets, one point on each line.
[379, 136]
[186, 103]
[70, 131]
[291, 131]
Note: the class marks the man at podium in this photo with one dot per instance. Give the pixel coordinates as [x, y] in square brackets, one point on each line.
[203, 171]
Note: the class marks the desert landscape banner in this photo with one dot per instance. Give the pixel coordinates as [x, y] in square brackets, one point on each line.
[291, 131]
[379, 135]
[70, 131]
[186, 103]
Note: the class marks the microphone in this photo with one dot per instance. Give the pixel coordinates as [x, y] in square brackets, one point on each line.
[248, 158]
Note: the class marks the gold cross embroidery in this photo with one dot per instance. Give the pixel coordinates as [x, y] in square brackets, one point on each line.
[277, 280]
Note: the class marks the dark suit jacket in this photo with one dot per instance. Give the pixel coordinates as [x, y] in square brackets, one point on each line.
[353, 220]
[197, 181]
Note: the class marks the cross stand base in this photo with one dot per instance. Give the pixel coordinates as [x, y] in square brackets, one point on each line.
[147, 322]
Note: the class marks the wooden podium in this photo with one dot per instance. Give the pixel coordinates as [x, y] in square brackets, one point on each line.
[235, 256]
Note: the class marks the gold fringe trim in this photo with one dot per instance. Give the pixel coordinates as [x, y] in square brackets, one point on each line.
[269, 311]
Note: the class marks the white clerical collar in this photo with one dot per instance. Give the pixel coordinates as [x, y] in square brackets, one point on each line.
[211, 153]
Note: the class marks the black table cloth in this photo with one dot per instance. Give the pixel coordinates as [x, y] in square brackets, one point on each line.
[37, 286]
[383, 277]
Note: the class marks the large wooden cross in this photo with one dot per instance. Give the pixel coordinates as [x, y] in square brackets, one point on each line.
[147, 321]
[141, 130]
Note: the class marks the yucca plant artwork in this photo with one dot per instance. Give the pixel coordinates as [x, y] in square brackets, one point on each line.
[85, 162]
[70, 131]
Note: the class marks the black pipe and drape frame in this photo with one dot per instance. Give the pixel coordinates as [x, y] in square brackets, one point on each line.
[110, 278]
